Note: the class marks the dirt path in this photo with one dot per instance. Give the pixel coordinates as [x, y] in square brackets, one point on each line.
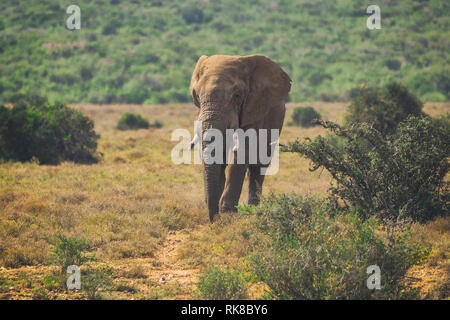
[170, 269]
[163, 269]
[157, 277]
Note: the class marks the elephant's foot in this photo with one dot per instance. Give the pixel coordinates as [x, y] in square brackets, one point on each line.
[227, 205]
[253, 201]
[227, 209]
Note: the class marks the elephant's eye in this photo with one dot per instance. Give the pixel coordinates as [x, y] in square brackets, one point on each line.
[196, 98]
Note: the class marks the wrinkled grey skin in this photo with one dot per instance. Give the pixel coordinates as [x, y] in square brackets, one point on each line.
[234, 92]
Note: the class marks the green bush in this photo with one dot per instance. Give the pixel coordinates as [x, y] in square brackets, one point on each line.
[311, 251]
[94, 279]
[383, 108]
[69, 251]
[111, 27]
[5, 283]
[132, 121]
[319, 77]
[216, 284]
[434, 97]
[395, 178]
[56, 281]
[393, 64]
[49, 132]
[192, 14]
[304, 116]
[156, 124]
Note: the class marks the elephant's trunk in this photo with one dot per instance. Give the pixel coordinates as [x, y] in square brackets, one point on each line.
[213, 173]
[213, 190]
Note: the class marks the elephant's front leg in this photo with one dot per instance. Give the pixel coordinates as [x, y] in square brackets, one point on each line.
[255, 182]
[233, 187]
[222, 178]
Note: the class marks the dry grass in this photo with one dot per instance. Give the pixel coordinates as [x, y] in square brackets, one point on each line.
[434, 274]
[128, 205]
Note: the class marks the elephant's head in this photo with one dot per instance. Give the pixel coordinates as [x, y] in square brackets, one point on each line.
[234, 92]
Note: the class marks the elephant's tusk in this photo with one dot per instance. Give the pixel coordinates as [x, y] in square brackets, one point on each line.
[235, 142]
[194, 141]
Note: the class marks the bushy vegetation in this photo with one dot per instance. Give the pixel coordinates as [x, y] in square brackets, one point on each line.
[383, 108]
[389, 159]
[94, 279]
[304, 116]
[396, 178]
[145, 51]
[69, 251]
[311, 251]
[75, 251]
[156, 124]
[134, 121]
[50, 133]
[217, 284]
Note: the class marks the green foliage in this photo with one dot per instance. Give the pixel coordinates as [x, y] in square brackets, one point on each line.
[304, 116]
[156, 124]
[94, 279]
[217, 284]
[134, 92]
[49, 132]
[393, 64]
[132, 121]
[39, 293]
[192, 14]
[122, 45]
[311, 251]
[395, 178]
[383, 108]
[55, 281]
[5, 283]
[69, 251]
[111, 27]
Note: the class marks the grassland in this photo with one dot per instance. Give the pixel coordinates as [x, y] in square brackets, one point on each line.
[145, 217]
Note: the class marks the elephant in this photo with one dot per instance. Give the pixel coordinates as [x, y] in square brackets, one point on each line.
[232, 92]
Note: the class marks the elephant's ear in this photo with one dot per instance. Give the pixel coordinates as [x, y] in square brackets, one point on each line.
[195, 77]
[269, 87]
